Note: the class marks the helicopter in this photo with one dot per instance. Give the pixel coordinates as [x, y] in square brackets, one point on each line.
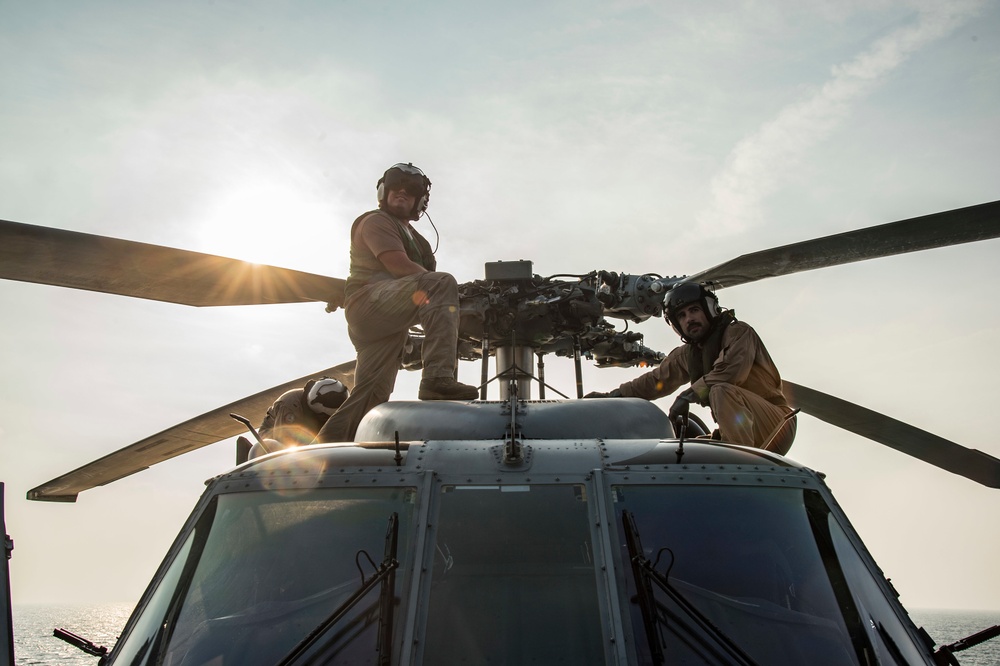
[492, 526]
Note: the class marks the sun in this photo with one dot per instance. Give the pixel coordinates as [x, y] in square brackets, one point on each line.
[265, 222]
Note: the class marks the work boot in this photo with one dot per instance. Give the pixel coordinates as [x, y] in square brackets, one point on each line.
[445, 388]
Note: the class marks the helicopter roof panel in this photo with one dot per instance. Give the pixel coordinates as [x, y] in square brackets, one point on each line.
[618, 418]
[543, 461]
[561, 438]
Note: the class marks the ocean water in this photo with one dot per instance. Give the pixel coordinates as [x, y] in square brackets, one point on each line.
[35, 644]
[948, 626]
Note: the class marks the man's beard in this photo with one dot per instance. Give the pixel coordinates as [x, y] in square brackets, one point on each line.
[402, 212]
[700, 335]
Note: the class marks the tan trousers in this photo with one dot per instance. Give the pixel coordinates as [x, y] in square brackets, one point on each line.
[746, 418]
[378, 318]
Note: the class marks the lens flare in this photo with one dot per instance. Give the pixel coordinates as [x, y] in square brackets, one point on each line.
[420, 298]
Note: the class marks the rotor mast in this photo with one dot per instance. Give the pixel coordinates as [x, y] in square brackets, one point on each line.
[515, 362]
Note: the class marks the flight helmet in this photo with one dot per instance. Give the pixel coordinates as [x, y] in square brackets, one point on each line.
[324, 396]
[685, 293]
[410, 177]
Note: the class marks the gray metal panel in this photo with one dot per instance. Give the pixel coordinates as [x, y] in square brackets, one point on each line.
[695, 452]
[598, 418]
[480, 461]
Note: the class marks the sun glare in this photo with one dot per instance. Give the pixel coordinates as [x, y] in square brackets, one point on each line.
[265, 223]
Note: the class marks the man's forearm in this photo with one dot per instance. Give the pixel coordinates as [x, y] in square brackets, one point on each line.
[399, 265]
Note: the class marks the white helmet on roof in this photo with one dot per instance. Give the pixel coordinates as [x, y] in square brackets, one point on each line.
[326, 395]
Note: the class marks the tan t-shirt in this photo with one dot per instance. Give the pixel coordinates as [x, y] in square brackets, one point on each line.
[376, 233]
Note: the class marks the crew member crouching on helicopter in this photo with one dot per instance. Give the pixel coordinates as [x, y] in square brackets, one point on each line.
[297, 415]
[729, 370]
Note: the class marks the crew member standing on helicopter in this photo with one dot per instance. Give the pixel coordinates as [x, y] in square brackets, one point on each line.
[393, 284]
[729, 370]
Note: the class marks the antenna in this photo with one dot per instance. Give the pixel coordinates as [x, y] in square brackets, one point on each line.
[6, 620]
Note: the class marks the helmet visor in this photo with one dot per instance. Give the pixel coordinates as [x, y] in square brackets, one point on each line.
[681, 295]
[408, 178]
[413, 185]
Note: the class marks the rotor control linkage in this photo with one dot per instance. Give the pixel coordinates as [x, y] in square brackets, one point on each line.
[633, 297]
[513, 452]
[555, 316]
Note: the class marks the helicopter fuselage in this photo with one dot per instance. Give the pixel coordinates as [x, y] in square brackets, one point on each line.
[519, 532]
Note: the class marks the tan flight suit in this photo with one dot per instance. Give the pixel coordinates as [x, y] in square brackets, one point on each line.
[290, 421]
[742, 387]
[381, 309]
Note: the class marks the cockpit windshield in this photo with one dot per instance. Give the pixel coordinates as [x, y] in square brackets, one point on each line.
[261, 570]
[767, 568]
[514, 580]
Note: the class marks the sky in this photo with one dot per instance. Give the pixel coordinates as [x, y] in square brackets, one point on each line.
[631, 136]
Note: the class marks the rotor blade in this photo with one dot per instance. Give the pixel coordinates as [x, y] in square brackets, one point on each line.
[970, 463]
[211, 427]
[97, 263]
[963, 225]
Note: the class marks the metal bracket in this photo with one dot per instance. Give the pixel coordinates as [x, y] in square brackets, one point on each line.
[507, 464]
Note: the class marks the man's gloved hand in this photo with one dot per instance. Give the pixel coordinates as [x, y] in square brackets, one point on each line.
[615, 393]
[682, 404]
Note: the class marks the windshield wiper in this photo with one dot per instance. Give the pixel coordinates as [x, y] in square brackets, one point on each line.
[80, 642]
[644, 573]
[385, 574]
[945, 653]
[644, 591]
[386, 594]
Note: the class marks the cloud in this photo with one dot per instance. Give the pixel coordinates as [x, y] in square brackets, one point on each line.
[761, 162]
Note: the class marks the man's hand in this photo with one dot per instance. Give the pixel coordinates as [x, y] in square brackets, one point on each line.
[615, 393]
[682, 404]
